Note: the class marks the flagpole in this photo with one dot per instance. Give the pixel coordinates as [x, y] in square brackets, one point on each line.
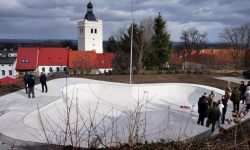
[131, 69]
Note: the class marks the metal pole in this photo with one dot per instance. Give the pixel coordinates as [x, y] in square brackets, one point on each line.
[130, 81]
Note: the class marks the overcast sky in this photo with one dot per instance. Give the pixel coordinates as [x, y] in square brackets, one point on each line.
[57, 19]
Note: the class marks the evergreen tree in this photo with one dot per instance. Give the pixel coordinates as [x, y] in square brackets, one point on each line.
[111, 44]
[161, 43]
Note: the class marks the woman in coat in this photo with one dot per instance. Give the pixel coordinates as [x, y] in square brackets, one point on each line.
[228, 91]
[247, 95]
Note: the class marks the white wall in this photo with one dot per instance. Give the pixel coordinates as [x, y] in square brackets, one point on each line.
[88, 41]
[8, 67]
[107, 70]
[47, 69]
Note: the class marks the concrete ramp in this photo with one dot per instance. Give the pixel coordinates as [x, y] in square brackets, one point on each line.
[111, 107]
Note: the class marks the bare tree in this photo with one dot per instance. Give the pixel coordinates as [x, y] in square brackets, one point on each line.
[237, 41]
[193, 39]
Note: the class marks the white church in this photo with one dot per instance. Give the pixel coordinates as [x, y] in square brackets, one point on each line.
[90, 32]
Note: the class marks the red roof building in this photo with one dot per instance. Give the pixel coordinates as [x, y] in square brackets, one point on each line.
[9, 80]
[53, 57]
[27, 59]
[105, 60]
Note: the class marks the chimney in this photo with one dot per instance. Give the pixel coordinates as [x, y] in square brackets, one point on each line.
[180, 57]
[5, 49]
[11, 49]
[67, 48]
[213, 50]
[94, 51]
[202, 51]
[70, 49]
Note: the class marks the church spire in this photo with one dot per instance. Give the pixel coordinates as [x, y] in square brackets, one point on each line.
[89, 15]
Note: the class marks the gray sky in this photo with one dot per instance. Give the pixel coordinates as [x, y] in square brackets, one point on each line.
[57, 19]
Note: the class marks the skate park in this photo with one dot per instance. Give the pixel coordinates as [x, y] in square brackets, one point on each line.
[20, 122]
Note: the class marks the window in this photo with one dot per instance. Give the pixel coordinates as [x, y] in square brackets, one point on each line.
[50, 69]
[43, 69]
[27, 61]
[3, 72]
[23, 61]
[91, 30]
[10, 65]
[111, 62]
[59, 57]
[95, 30]
[49, 58]
[93, 38]
[65, 69]
[21, 73]
[103, 61]
[10, 72]
[2, 65]
[57, 69]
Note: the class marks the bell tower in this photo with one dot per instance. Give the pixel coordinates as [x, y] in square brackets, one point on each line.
[90, 32]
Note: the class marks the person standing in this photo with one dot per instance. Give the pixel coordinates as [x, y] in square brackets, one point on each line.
[213, 97]
[247, 95]
[213, 116]
[228, 91]
[224, 110]
[25, 79]
[220, 106]
[43, 80]
[248, 84]
[202, 109]
[243, 89]
[235, 98]
[33, 75]
[31, 84]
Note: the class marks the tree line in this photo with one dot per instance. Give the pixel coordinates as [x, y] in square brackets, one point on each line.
[152, 46]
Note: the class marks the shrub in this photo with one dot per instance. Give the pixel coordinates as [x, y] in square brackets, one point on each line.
[196, 72]
[169, 72]
[177, 72]
[189, 72]
[182, 72]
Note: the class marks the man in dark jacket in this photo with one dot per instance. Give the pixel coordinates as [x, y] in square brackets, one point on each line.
[202, 109]
[248, 83]
[224, 110]
[43, 80]
[25, 79]
[235, 98]
[243, 89]
[31, 84]
[213, 116]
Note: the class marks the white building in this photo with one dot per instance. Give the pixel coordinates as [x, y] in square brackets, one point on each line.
[90, 32]
[8, 63]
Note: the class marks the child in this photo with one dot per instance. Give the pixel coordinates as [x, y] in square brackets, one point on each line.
[221, 106]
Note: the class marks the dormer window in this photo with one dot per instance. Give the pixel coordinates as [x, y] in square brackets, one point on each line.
[48, 58]
[27, 61]
[95, 30]
[103, 61]
[23, 60]
[59, 57]
[91, 30]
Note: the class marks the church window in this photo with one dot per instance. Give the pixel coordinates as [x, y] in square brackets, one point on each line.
[95, 30]
[91, 30]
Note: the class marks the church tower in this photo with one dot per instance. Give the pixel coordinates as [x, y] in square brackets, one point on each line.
[90, 32]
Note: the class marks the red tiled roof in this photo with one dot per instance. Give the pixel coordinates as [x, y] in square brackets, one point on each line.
[104, 60]
[83, 59]
[53, 57]
[29, 54]
[9, 80]
[176, 59]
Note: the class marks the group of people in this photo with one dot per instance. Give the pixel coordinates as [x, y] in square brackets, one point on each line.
[215, 111]
[29, 83]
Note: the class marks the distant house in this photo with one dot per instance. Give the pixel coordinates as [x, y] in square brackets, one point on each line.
[176, 62]
[8, 63]
[105, 62]
[52, 60]
[83, 62]
[37, 60]
[27, 60]
[218, 59]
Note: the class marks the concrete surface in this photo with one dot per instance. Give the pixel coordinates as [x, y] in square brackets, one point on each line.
[106, 102]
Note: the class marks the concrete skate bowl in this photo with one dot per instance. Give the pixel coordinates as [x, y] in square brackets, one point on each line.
[108, 111]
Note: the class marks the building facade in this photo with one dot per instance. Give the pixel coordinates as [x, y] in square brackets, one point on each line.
[8, 63]
[90, 32]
